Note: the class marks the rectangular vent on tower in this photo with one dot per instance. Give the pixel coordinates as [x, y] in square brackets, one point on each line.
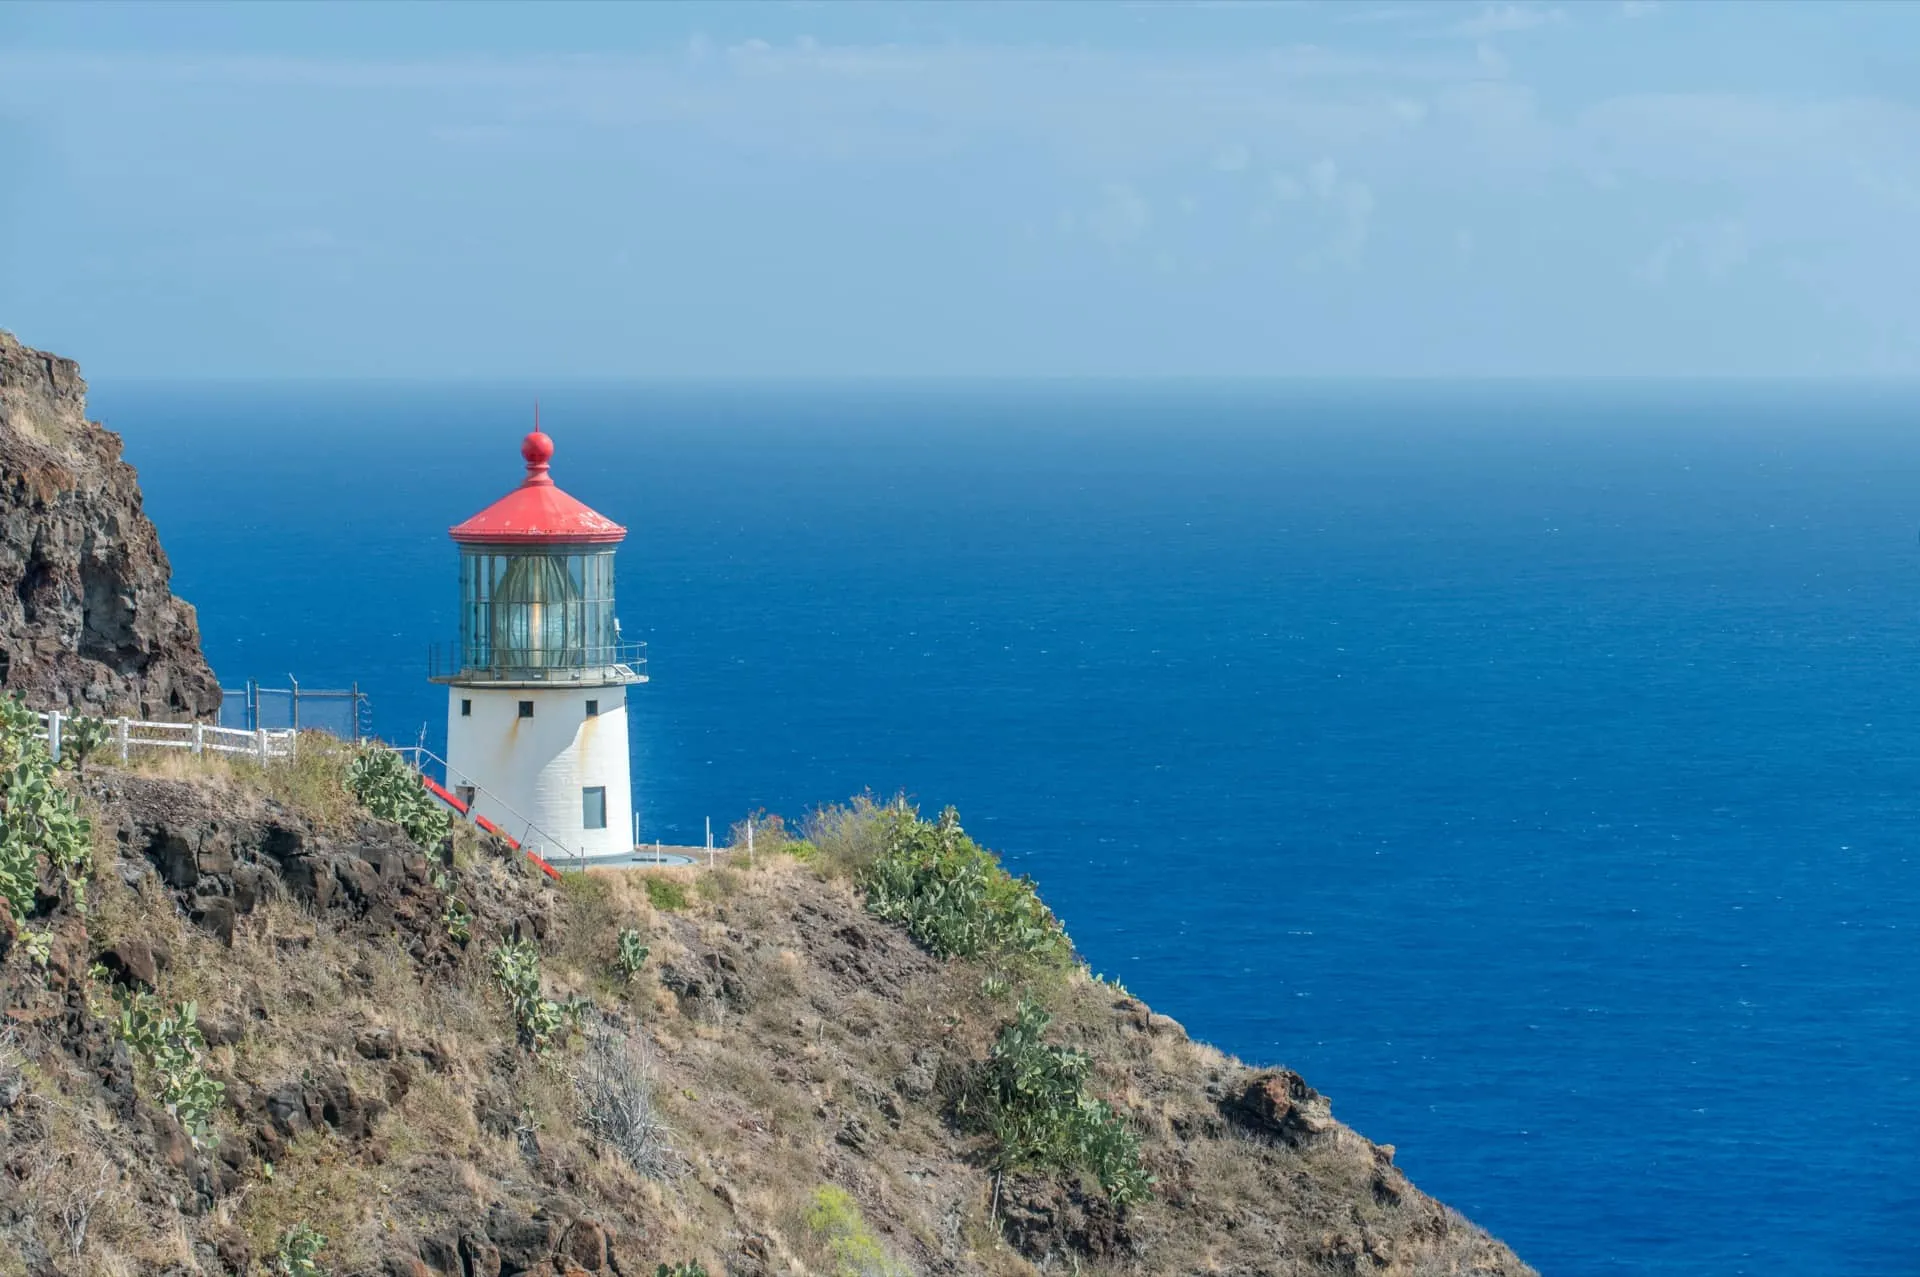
[593, 807]
[466, 708]
[593, 709]
[526, 709]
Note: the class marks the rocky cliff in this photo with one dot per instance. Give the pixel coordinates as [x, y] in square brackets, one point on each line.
[87, 618]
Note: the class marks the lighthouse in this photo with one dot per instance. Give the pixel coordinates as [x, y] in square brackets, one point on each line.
[537, 681]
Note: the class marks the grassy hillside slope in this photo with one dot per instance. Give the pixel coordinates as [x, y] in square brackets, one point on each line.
[870, 1052]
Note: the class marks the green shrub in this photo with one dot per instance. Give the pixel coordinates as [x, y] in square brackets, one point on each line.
[299, 1252]
[719, 883]
[80, 738]
[770, 834]
[169, 1046]
[835, 1219]
[538, 1019]
[458, 920]
[1031, 1098]
[632, 955]
[844, 841]
[19, 731]
[953, 897]
[37, 816]
[381, 781]
[666, 893]
[689, 1268]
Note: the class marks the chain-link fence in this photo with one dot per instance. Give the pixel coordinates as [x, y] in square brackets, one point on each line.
[339, 710]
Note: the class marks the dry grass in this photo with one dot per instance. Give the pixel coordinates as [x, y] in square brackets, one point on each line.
[312, 782]
[75, 1179]
[807, 1045]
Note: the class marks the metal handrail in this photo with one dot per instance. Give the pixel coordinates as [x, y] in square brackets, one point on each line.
[421, 751]
[457, 660]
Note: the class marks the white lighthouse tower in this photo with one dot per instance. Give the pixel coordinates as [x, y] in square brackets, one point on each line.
[537, 682]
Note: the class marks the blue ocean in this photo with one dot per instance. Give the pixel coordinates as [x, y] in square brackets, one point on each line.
[1535, 767]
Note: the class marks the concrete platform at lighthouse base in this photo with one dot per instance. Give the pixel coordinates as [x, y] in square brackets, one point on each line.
[648, 857]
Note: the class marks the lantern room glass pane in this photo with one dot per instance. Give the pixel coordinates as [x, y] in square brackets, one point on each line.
[534, 610]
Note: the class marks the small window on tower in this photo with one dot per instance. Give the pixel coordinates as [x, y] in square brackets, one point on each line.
[526, 709]
[593, 709]
[593, 807]
[466, 709]
[465, 794]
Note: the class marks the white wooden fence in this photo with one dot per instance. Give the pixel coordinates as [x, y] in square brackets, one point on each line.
[124, 735]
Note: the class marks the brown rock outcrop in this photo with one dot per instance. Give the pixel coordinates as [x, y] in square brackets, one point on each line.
[88, 620]
[1280, 1104]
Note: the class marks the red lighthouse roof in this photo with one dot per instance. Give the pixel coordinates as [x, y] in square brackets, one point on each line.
[537, 512]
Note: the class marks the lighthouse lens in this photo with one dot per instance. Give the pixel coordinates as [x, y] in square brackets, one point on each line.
[526, 613]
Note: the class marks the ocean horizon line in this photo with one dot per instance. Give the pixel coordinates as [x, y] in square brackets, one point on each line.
[143, 381]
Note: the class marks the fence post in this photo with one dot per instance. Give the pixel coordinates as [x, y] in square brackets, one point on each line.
[353, 707]
[260, 743]
[294, 698]
[199, 737]
[122, 734]
[53, 734]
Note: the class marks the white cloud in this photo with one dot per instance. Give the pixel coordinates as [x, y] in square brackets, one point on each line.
[1652, 269]
[1342, 206]
[1712, 250]
[1443, 116]
[1355, 211]
[1724, 247]
[1122, 216]
[1323, 179]
[1379, 16]
[1232, 159]
[1409, 110]
[1508, 19]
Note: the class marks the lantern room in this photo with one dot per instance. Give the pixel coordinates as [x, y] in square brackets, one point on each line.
[536, 588]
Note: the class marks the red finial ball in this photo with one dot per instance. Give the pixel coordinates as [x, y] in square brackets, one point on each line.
[537, 448]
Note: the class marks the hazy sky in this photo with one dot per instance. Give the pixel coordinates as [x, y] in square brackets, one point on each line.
[1199, 188]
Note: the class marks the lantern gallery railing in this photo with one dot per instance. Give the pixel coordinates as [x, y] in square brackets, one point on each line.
[450, 662]
[124, 735]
